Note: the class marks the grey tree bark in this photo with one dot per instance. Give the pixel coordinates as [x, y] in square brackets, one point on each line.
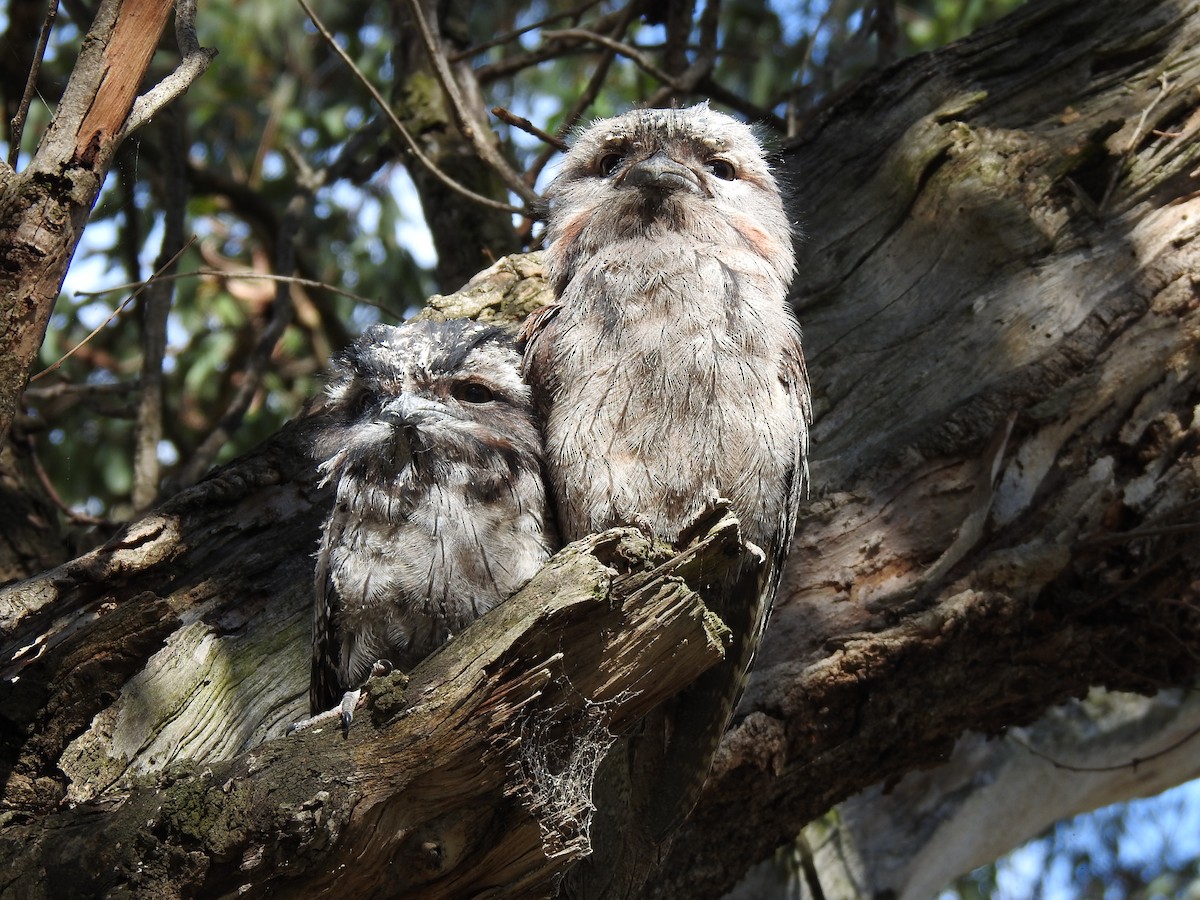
[1000, 307]
[910, 839]
[1001, 314]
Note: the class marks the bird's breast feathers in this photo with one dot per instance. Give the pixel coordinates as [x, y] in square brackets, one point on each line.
[671, 389]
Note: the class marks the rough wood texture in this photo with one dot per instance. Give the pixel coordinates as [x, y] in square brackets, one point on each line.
[472, 775]
[1002, 319]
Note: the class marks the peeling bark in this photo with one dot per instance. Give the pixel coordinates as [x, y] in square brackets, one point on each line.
[44, 208]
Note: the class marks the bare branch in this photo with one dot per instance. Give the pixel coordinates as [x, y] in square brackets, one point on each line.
[116, 312]
[248, 275]
[195, 61]
[146, 469]
[517, 32]
[17, 126]
[1131, 764]
[67, 389]
[484, 149]
[620, 48]
[47, 484]
[404, 133]
[529, 128]
[751, 111]
[588, 97]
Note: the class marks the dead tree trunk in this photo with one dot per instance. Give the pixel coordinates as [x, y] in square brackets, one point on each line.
[1002, 321]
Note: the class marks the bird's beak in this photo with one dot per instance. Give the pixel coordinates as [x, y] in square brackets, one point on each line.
[662, 174]
[411, 410]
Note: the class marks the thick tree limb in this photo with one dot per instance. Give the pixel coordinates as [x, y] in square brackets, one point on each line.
[475, 774]
[984, 800]
[952, 278]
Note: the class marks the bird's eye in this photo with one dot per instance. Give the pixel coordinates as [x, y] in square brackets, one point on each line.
[722, 168]
[472, 392]
[363, 401]
[608, 163]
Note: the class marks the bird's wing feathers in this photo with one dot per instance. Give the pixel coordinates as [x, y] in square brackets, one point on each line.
[536, 346]
[324, 690]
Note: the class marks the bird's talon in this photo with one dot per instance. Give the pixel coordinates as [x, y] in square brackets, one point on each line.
[350, 700]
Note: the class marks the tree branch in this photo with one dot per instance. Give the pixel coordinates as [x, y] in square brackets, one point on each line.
[404, 133]
[505, 701]
[155, 308]
[46, 206]
[484, 149]
[17, 125]
[195, 62]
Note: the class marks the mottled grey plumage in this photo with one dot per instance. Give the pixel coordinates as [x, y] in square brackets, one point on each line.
[671, 364]
[669, 374]
[440, 508]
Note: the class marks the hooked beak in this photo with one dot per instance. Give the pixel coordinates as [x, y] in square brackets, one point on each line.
[662, 174]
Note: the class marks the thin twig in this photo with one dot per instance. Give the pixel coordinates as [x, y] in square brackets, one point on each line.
[517, 32]
[469, 128]
[147, 471]
[518, 62]
[588, 97]
[17, 125]
[67, 389]
[751, 111]
[116, 312]
[239, 275]
[1131, 764]
[404, 133]
[529, 128]
[194, 61]
[571, 119]
[620, 48]
[43, 478]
